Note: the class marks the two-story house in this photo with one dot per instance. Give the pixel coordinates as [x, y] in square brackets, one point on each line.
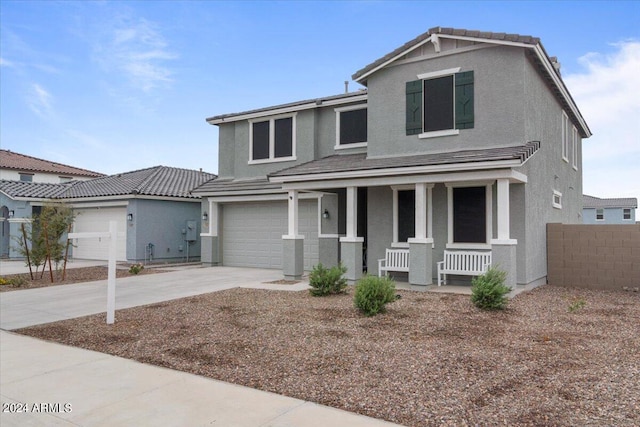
[609, 211]
[462, 141]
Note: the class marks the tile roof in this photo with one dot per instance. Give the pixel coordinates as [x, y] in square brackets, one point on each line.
[156, 181]
[24, 163]
[291, 105]
[360, 162]
[237, 185]
[596, 202]
[35, 190]
[516, 38]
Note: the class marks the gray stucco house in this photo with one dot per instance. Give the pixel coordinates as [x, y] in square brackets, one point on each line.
[153, 208]
[609, 211]
[461, 141]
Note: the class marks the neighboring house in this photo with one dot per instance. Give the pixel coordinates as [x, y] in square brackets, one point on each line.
[153, 207]
[20, 167]
[609, 211]
[463, 140]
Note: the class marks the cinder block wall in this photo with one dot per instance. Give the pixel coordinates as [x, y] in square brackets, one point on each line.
[593, 256]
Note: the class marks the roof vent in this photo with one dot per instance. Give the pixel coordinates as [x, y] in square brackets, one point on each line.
[346, 86]
[555, 63]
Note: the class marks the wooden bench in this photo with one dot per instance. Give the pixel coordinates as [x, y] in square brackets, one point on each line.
[394, 260]
[467, 263]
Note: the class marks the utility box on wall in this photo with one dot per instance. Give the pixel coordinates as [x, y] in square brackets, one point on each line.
[192, 229]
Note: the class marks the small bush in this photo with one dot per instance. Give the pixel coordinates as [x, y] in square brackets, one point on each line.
[488, 291]
[327, 281]
[373, 293]
[16, 281]
[3, 281]
[136, 268]
[576, 305]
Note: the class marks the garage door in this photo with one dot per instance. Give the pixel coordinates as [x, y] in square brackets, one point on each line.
[94, 220]
[252, 233]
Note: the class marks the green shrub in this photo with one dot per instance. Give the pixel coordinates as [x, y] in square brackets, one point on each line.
[327, 281]
[136, 268]
[488, 291]
[576, 305]
[373, 293]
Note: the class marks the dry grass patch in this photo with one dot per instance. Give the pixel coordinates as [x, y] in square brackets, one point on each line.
[431, 359]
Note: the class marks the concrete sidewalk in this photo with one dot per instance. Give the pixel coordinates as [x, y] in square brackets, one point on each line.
[103, 390]
[85, 388]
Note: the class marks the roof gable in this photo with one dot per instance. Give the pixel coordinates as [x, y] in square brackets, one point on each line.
[22, 162]
[545, 65]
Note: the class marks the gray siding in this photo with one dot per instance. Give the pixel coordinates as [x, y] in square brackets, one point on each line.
[611, 216]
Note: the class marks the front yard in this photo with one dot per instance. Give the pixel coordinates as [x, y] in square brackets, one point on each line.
[432, 359]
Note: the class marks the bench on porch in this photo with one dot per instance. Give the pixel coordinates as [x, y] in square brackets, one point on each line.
[467, 263]
[394, 260]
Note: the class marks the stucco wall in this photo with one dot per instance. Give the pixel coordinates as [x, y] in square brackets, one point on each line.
[161, 223]
[498, 103]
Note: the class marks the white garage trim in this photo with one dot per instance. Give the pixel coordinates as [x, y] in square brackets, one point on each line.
[91, 220]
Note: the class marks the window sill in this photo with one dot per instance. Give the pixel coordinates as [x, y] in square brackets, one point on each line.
[439, 133]
[347, 146]
[276, 160]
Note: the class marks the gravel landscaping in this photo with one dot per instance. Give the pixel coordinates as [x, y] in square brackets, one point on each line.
[73, 275]
[556, 357]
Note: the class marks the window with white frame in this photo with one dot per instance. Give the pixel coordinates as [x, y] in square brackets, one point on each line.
[273, 139]
[574, 145]
[470, 218]
[557, 199]
[26, 177]
[351, 126]
[566, 133]
[404, 215]
[599, 214]
[440, 103]
[626, 213]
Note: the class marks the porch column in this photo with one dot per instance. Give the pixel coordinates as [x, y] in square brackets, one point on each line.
[421, 245]
[351, 245]
[209, 239]
[292, 243]
[503, 249]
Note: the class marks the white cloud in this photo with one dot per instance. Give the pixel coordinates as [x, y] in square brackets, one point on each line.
[40, 101]
[136, 49]
[607, 93]
[6, 63]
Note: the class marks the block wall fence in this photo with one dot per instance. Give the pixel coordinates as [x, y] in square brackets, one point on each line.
[594, 256]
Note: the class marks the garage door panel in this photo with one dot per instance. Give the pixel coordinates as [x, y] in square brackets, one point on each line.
[252, 233]
[97, 220]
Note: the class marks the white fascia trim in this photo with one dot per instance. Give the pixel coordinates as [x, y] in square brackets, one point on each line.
[395, 58]
[263, 197]
[373, 173]
[81, 205]
[288, 110]
[439, 133]
[439, 73]
[468, 176]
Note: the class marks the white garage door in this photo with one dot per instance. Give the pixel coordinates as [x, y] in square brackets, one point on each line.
[94, 220]
[252, 233]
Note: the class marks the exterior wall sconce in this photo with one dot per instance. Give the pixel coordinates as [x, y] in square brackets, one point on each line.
[130, 217]
[205, 216]
[11, 214]
[325, 214]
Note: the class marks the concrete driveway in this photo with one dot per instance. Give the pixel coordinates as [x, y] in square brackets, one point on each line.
[28, 307]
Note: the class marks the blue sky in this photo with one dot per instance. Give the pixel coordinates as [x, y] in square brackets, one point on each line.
[119, 86]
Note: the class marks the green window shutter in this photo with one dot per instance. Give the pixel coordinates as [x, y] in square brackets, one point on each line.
[414, 107]
[464, 100]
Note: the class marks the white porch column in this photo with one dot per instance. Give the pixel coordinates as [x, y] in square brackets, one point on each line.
[293, 213]
[292, 243]
[421, 245]
[503, 209]
[503, 249]
[351, 244]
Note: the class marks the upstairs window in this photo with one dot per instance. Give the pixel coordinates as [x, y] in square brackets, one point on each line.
[626, 213]
[574, 151]
[600, 214]
[26, 177]
[272, 140]
[440, 103]
[351, 126]
[566, 137]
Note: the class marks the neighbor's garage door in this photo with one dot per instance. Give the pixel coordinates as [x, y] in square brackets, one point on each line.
[97, 219]
[252, 233]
